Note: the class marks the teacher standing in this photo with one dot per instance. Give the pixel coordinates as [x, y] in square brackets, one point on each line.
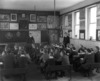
[66, 39]
[31, 39]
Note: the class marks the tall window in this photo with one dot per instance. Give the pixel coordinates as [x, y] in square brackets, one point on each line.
[92, 22]
[77, 24]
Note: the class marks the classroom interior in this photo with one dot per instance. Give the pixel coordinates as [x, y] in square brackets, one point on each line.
[47, 22]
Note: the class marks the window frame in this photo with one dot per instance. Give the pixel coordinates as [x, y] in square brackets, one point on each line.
[89, 21]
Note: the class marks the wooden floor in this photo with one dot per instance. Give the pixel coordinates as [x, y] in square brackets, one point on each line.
[34, 74]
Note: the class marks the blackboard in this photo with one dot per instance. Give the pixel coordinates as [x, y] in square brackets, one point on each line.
[13, 36]
[44, 36]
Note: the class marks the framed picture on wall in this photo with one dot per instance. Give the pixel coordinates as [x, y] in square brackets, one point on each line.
[33, 17]
[4, 25]
[41, 26]
[41, 19]
[13, 17]
[82, 34]
[14, 26]
[4, 17]
[32, 26]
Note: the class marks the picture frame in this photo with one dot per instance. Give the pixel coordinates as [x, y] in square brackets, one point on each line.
[82, 34]
[4, 26]
[4, 17]
[33, 17]
[32, 26]
[41, 19]
[14, 26]
[13, 17]
[41, 26]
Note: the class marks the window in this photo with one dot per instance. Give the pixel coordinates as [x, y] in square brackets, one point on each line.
[92, 22]
[77, 24]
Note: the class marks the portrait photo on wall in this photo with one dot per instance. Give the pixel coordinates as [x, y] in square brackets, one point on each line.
[33, 17]
[13, 17]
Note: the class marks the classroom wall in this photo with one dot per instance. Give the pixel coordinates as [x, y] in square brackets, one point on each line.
[79, 5]
[86, 43]
[34, 23]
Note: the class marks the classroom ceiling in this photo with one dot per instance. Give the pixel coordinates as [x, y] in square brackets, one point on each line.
[39, 5]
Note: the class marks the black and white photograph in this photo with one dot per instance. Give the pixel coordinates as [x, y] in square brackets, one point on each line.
[13, 17]
[49, 40]
[33, 17]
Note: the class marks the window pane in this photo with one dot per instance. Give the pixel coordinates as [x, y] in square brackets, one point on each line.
[77, 18]
[93, 14]
[77, 31]
[92, 31]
